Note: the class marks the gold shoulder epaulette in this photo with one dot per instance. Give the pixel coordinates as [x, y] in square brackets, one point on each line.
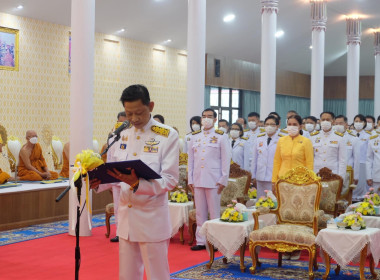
[189, 133]
[160, 130]
[196, 132]
[262, 129]
[244, 138]
[261, 135]
[352, 134]
[338, 133]
[219, 131]
[373, 137]
[349, 131]
[246, 130]
[314, 133]
[280, 135]
[370, 133]
[284, 131]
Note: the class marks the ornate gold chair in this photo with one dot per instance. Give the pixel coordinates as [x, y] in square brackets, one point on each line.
[57, 150]
[298, 195]
[13, 150]
[237, 188]
[345, 197]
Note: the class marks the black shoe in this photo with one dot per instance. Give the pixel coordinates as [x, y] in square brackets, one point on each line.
[198, 247]
[115, 239]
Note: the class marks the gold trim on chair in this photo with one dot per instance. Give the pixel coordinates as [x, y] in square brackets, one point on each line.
[300, 175]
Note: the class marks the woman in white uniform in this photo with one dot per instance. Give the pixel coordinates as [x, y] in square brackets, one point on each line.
[237, 143]
[195, 125]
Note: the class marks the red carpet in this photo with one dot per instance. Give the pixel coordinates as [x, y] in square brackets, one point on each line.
[53, 258]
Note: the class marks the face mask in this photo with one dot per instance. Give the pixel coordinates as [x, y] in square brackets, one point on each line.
[325, 125]
[196, 127]
[33, 140]
[293, 130]
[223, 129]
[309, 127]
[339, 128]
[252, 125]
[317, 127]
[369, 126]
[358, 125]
[234, 134]
[270, 129]
[207, 122]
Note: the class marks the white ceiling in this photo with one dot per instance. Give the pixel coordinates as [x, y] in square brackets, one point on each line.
[155, 21]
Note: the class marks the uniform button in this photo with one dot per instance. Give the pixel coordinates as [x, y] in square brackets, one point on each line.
[134, 154]
[203, 151]
[204, 142]
[202, 166]
[138, 137]
[130, 206]
[202, 158]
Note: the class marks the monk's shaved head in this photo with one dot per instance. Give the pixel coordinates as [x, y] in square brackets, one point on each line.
[30, 134]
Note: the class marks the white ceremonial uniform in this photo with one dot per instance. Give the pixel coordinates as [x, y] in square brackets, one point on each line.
[373, 161]
[262, 162]
[208, 164]
[238, 150]
[353, 152]
[329, 151]
[187, 141]
[251, 135]
[306, 134]
[362, 187]
[144, 223]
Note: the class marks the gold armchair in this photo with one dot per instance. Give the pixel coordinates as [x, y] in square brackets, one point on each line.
[345, 197]
[298, 195]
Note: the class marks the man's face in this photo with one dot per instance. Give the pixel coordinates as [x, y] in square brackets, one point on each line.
[253, 119]
[326, 117]
[340, 121]
[137, 113]
[31, 134]
[223, 124]
[369, 120]
[241, 121]
[209, 115]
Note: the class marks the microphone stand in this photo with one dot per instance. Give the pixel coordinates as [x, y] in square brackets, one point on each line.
[78, 185]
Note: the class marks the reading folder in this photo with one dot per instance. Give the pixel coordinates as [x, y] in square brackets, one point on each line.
[142, 171]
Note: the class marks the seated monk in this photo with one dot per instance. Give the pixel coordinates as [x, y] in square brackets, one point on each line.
[4, 176]
[32, 166]
[65, 171]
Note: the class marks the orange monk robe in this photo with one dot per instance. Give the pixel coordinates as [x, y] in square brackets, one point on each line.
[37, 160]
[4, 176]
[65, 167]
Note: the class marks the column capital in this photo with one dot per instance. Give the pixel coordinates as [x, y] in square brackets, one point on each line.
[377, 42]
[269, 6]
[353, 30]
[318, 15]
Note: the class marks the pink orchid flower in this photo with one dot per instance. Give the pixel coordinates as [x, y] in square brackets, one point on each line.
[234, 201]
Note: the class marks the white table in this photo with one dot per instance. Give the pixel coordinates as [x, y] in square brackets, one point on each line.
[36, 186]
[346, 246]
[227, 237]
[179, 216]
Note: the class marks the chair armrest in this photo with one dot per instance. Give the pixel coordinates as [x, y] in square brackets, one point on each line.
[315, 223]
[262, 211]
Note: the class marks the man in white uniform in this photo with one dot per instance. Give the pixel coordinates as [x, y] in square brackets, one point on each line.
[208, 171]
[370, 125]
[144, 223]
[373, 163]
[254, 130]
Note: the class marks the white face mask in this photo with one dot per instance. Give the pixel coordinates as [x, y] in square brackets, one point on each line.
[358, 125]
[309, 127]
[196, 127]
[317, 127]
[339, 128]
[369, 126]
[223, 129]
[325, 125]
[270, 129]
[378, 130]
[252, 125]
[207, 122]
[293, 130]
[234, 134]
[33, 140]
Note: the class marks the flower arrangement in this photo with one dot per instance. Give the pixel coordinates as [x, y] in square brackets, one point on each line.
[252, 192]
[365, 208]
[179, 196]
[372, 196]
[266, 201]
[233, 213]
[354, 220]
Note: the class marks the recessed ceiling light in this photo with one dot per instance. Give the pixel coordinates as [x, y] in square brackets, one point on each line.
[229, 18]
[311, 47]
[20, 7]
[280, 33]
[167, 41]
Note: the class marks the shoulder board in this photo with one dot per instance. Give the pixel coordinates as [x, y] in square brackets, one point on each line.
[352, 134]
[262, 129]
[280, 135]
[370, 133]
[244, 138]
[349, 131]
[373, 137]
[160, 130]
[338, 133]
[261, 135]
[246, 130]
[196, 132]
[284, 131]
[219, 131]
[189, 133]
[314, 133]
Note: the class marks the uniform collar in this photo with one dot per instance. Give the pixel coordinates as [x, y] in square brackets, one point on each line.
[327, 133]
[147, 126]
[211, 130]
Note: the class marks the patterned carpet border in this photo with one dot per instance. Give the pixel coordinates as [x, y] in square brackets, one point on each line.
[44, 230]
[290, 270]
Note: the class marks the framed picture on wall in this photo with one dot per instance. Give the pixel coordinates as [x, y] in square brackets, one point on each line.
[9, 48]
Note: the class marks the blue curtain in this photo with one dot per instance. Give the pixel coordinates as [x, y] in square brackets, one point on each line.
[366, 107]
[207, 96]
[284, 103]
[338, 106]
[250, 102]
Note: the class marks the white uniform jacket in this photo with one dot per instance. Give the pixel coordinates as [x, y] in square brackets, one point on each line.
[373, 159]
[209, 158]
[363, 138]
[186, 144]
[238, 150]
[353, 153]
[251, 135]
[262, 157]
[144, 215]
[329, 151]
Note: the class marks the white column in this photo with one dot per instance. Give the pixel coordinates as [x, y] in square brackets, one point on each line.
[353, 30]
[196, 53]
[269, 9]
[377, 75]
[81, 95]
[319, 19]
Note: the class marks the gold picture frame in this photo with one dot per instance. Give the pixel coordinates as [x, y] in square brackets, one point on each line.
[9, 48]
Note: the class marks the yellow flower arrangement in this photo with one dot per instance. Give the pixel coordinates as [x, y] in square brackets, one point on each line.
[179, 196]
[86, 161]
[365, 208]
[252, 192]
[232, 214]
[266, 202]
[372, 196]
[354, 220]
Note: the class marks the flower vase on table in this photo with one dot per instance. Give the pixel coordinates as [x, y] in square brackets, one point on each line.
[354, 221]
[179, 196]
[234, 213]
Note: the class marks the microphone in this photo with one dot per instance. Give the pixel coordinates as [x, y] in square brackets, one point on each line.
[123, 126]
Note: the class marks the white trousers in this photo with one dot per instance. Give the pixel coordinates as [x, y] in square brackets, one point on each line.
[262, 186]
[207, 200]
[362, 187]
[116, 199]
[134, 256]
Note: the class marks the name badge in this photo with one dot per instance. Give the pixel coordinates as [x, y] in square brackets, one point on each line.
[123, 146]
[150, 149]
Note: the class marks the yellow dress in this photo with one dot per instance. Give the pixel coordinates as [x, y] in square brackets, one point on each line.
[291, 153]
[4, 176]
